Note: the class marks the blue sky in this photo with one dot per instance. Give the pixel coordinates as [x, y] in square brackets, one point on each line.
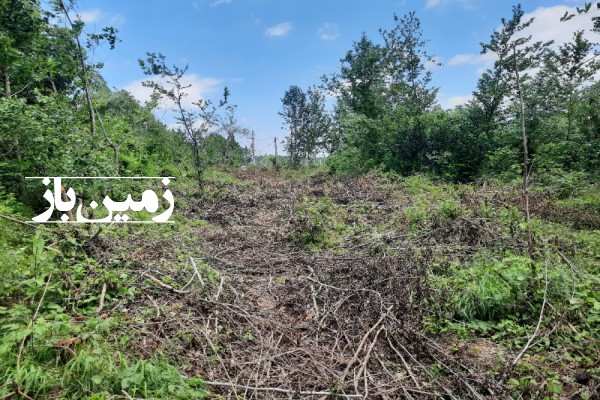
[258, 48]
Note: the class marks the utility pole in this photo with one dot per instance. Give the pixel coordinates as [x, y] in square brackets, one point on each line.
[253, 150]
[275, 142]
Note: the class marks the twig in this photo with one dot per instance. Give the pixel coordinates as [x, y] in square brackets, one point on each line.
[361, 344]
[405, 364]
[20, 222]
[446, 389]
[363, 367]
[568, 262]
[126, 395]
[314, 299]
[539, 323]
[102, 298]
[164, 285]
[20, 393]
[196, 271]
[438, 395]
[57, 346]
[37, 310]
[220, 289]
[281, 390]
[155, 305]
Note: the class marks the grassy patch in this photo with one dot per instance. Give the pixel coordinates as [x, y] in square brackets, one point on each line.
[53, 343]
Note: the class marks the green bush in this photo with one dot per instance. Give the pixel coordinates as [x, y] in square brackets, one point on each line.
[492, 290]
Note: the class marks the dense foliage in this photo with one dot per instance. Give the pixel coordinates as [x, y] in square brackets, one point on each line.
[386, 116]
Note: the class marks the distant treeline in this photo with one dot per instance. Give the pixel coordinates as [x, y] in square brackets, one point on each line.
[386, 115]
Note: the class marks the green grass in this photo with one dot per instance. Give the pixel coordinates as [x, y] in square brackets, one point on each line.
[68, 352]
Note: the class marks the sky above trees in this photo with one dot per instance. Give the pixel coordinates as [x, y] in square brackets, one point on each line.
[258, 48]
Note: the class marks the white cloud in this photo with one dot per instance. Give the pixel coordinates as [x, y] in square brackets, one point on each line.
[432, 3]
[279, 30]
[435, 3]
[199, 88]
[453, 102]
[218, 2]
[329, 31]
[90, 16]
[546, 27]
[463, 59]
[97, 15]
[483, 61]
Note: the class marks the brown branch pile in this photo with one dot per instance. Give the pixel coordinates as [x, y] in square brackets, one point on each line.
[267, 318]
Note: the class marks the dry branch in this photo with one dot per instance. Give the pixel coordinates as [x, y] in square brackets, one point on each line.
[164, 285]
[280, 390]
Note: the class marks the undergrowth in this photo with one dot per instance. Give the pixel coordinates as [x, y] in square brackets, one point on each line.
[55, 341]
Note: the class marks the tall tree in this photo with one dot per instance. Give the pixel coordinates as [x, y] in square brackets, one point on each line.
[515, 57]
[360, 88]
[21, 26]
[317, 123]
[293, 112]
[574, 64]
[410, 92]
[229, 125]
[360, 83]
[404, 61]
[308, 123]
[489, 96]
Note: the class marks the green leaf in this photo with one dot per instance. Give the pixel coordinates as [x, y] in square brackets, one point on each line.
[22, 334]
[5, 348]
[513, 383]
[586, 395]
[96, 379]
[554, 387]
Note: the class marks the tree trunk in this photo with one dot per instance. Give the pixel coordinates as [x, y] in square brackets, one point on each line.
[199, 169]
[525, 191]
[52, 84]
[6, 74]
[227, 144]
[570, 116]
[86, 86]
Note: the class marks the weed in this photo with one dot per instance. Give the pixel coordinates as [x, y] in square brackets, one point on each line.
[318, 223]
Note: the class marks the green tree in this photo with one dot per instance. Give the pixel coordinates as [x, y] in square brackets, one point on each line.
[317, 123]
[360, 83]
[293, 113]
[21, 27]
[193, 124]
[357, 138]
[456, 144]
[515, 56]
[409, 94]
[574, 64]
[308, 123]
[229, 125]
